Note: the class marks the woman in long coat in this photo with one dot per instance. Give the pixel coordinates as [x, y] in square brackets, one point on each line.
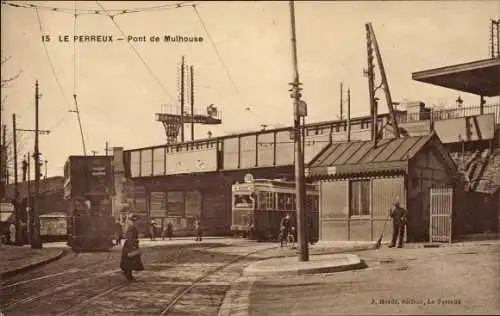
[131, 255]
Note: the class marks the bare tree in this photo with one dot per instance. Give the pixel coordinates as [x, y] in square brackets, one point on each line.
[6, 81]
[8, 150]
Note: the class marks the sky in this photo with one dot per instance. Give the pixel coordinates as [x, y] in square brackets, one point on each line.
[120, 85]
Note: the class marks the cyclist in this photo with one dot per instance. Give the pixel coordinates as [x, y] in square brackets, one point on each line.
[285, 225]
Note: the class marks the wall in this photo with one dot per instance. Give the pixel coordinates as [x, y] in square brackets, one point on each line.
[206, 196]
[426, 169]
[337, 225]
[472, 128]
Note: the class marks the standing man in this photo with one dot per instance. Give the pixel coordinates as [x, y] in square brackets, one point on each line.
[198, 231]
[12, 232]
[285, 226]
[152, 230]
[399, 220]
[118, 233]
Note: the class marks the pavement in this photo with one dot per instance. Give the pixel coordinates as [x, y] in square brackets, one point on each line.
[16, 259]
[325, 256]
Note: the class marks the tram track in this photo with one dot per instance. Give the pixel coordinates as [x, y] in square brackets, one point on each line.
[61, 281]
[179, 271]
[67, 268]
[189, 288]
[84, 303]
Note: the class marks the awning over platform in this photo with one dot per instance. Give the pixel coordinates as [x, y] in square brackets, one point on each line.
[390, 156]
[479, 77]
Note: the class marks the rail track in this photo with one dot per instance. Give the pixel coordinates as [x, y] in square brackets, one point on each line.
[190, 287]
[62, 280]
[94, 284]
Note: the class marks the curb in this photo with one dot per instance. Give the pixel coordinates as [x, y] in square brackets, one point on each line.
[355, 263]
[12, 272]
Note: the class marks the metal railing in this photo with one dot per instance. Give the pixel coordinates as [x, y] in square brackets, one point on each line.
[445, 114]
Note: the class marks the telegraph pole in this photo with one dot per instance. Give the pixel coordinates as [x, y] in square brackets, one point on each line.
[182, 100]
[35, 240]
[299, 111]
[30, 209]
[192, 101]
[4, 149]
[348, 114]
[45, 177]
[107, 148]
[16, 184]
[341, 101]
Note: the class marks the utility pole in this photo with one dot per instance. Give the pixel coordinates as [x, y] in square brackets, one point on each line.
[348, 114]
[16, 184]
[35, 240]
[30, 210]
[371, 84]
[192, 101]
[299, 110]
[45, 177]
[341, 101]
[107, 148]
[5, 158]
[182, 100]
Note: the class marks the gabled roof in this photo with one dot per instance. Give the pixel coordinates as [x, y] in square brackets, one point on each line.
[361, 157]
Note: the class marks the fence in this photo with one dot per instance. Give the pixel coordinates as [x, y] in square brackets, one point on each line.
[445, 114]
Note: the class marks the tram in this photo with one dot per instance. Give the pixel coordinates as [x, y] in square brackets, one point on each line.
[88, 190]
[259, 205]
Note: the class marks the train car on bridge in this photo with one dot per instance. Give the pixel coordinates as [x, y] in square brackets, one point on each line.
[88, 188]
[259, 205]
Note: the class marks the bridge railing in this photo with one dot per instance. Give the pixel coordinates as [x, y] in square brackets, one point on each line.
[445, 114]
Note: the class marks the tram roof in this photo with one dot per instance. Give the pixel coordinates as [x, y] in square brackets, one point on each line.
[478, 77]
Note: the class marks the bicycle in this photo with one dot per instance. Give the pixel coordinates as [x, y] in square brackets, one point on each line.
[289, 240]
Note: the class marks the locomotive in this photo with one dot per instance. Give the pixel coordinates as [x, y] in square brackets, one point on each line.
[88, 190]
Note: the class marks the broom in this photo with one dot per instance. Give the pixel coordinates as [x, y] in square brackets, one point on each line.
[379, 241]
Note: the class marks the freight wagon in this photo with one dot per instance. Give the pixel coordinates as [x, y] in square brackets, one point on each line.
[88, 190]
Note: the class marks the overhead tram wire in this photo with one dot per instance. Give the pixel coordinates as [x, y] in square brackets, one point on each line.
[53, 70]
[98, 12]
[50, 61]
[247, 108]
[138, 55]
[77, 110]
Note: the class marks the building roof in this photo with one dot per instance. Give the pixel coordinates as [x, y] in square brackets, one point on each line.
[479, 77]
[361, 157]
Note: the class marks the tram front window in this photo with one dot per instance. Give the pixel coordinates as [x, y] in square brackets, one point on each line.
[243, 200]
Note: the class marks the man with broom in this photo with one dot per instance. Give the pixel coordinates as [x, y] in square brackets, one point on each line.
[399, 219]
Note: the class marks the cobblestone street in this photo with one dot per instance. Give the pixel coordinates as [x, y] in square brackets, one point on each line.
[92, 284]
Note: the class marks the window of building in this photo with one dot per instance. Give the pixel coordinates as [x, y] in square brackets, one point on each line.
[360, 197]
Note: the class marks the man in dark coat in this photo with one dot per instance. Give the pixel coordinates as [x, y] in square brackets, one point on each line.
[285, 226]
[399, 219]
[131, 256]
[118, 233]
[169, 231]
[198, 230]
